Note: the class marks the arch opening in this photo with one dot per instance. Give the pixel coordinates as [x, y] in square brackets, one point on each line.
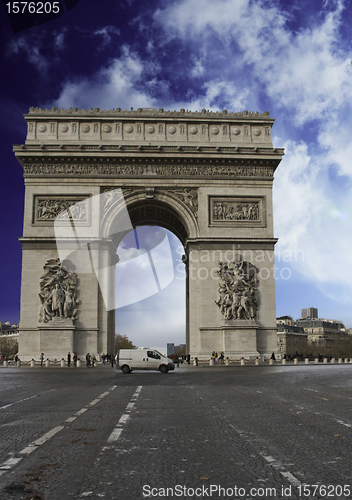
[150, 287]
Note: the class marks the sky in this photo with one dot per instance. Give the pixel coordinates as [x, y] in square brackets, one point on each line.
[289, 57]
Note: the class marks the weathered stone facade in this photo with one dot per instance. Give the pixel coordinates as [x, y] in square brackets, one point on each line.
[205, 176]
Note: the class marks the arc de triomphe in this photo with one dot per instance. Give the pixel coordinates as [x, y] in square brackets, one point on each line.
[91, 176]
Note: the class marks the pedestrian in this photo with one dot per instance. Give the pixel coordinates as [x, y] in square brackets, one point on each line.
[104, 359]
[69, 359]
[273, 357]
[188, 358]
[75, 359]
[41, 359]
[94, 360]
[112, 357]
[88, 358]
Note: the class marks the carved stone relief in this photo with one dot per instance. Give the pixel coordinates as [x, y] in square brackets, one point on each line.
[238, 290]
[58, 290]
[235, 211]
[189, 197]
[60, 208]
[239, 211]
[161, 170]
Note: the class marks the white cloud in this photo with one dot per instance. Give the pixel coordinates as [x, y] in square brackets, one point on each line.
[31, 46]
[307, 73]
[116, 85]
[312, 223]
[106, 35]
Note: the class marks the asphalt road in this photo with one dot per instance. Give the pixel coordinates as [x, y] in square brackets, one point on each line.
[198, 432]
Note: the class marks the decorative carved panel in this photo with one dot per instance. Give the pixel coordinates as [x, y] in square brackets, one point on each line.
[149, 169]
[237, 211]
[62, 208]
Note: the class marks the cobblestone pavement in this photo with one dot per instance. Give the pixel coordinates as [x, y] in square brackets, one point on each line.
[199, 432]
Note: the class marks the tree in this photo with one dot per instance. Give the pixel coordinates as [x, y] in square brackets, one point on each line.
[123, 342]
[8, 347]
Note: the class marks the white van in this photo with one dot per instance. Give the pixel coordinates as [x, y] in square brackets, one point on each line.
[143, 359]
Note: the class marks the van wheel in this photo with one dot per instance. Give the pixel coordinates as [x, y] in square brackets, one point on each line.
[164, 369]
[126, 369]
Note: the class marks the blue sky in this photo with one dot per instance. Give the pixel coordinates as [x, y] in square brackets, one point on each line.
[291, 58]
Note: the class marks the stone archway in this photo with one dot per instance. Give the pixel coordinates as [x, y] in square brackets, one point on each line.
[205, 176]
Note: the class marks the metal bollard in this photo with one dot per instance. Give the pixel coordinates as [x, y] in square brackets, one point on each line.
[47, 363]
[295, 361]
[194, 362]
[325, 360]
[242, 362]
[316, 361]
[5, 363]
[283, 361]
[32, 363]
[271, 362]
[19, 363]
[256, 362]
[306, 361]
[332, 360]
[227, 362]
[62, 363]
[78, 363]
[212, 362]
[340, 360]
[346, 360]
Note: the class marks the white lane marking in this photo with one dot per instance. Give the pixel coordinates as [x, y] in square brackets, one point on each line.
[28, 449]
[312, 390]
[81, 411]
[48, 435]
[290, 477]
[70, 419]
[269, 459]
[10, 463]
[94, 402]
[114, 436]
[103, 395]
[25, 399]
[343, 423]
[124, 419]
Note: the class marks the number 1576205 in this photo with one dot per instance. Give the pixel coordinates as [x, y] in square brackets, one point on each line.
[33, 7]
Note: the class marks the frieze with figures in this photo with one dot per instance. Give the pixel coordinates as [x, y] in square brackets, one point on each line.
[49, 209]
[237, 210]
[161, 170]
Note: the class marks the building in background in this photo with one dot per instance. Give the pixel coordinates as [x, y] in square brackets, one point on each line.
[290, 338]
[301, 335]
[311, 312]
[8, 330]
[179, 349]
